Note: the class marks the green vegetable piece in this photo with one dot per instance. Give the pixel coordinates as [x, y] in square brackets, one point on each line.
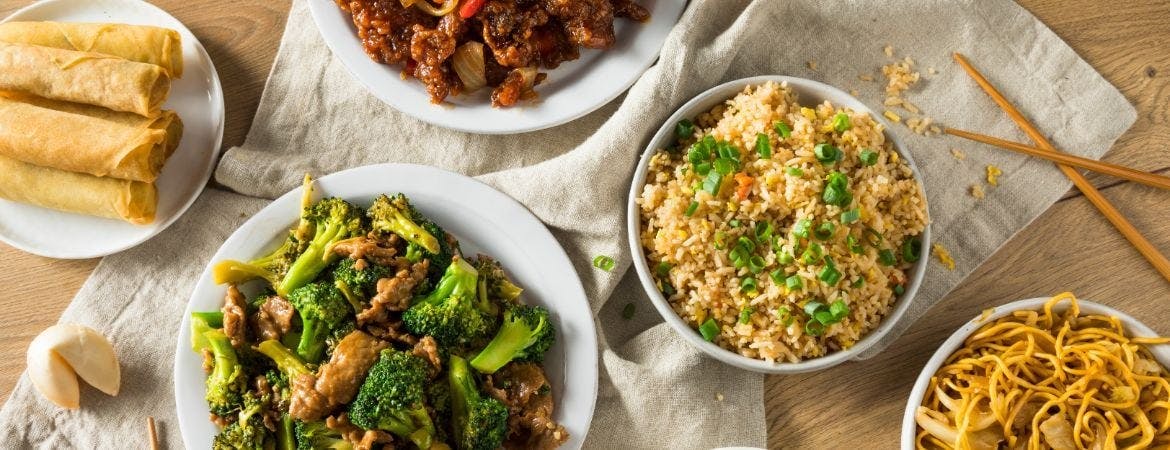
[709, 330]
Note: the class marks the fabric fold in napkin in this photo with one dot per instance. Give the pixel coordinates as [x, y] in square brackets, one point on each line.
[655, 390]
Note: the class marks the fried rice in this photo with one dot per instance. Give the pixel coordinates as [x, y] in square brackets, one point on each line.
[761, 258]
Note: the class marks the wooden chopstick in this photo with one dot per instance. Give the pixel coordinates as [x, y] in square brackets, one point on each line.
[1134, 175]
[1143, 246]
[153, 433]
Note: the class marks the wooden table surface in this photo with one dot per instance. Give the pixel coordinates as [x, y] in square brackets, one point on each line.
[855, 405]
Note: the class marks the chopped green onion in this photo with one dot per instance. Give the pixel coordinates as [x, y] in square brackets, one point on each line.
[825, 231]
[699, 153]
[812, 254]
[886, 257]
[851, 216]
[667, 289]
[824, 317]
[858, 283]
[829, 274]
[854, 246]
[836, 178]
[785, 316]
[739, 257]
[869, 157]
[691, 208]
[723, 165]
[720, 242]
[756, 263]
[801, 228]
[841, 122]
[827, 153]
[603, 262]
[839, 310]
[709, 330]
[749, 286]
[912, 249]
[794, 171]
[746, 243]
[785, 257]
[782, 129]
[833, 195]
[872, 237]
[663, 269]
[734, 223]
[745, 314]
[814, 328]
[794, 282]
[812, 307]
[726, 151]
[684, 129]
[777, 276]
[763, 147]
[628, 311]
[712, 182]
[898, 289]
[702, 169]
[764, 232]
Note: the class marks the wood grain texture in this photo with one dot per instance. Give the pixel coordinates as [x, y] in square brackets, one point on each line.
[858, 404]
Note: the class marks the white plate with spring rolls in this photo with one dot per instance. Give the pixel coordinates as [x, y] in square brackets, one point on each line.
[127, 168]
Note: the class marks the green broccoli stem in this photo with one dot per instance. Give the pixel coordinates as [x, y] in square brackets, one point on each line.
[213, 319]
[414, 424]
[311, 346]
[202, 322]
[314, 259]
[463, 389]
[226, 362]
[230, 271]
[460, 279]
[514, 336]
[284, 434]
[287, 361]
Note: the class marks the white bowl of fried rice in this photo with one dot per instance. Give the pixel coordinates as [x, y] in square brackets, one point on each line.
[778, 225]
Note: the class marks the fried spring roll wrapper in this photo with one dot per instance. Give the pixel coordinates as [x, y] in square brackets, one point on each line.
[86, 139]
[145, 44]
[81, 77]
[132, 201]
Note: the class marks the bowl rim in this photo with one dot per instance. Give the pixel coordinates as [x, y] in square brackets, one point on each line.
[910, 427]
[705, 101]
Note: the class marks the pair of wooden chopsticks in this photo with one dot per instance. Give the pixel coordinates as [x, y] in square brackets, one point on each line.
[1065, 162]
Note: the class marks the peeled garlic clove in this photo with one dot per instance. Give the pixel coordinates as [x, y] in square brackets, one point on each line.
[63, 352]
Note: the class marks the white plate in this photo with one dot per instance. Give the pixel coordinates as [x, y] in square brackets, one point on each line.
[485, 221]
[197, 98]
[572, 90]
[1133, 328]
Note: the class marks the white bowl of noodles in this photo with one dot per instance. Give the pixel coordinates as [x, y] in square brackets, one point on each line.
[914, 436]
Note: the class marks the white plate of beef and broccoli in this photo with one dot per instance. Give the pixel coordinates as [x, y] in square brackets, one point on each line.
[389, 304]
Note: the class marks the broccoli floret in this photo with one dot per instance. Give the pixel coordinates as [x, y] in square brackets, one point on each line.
[202, 322]
[227, 382]
[316, 436]
[425, 239]
[272, 267]
[480, 422]
[495, 288]
[392, 398]
[332, 220]
[525, 335]
[248, 432]
[449, 313]
[322, 310]
[361, 283]
[288, 363]
[439, 397]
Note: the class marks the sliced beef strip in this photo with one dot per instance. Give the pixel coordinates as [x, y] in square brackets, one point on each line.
[306, 403]
[361, 439]
[235, 316]
[392, 331]
[340, 378]
[394, 294]
[273, 319]
[589, 23]
[524, 388]
[428, 349]
[378, 249]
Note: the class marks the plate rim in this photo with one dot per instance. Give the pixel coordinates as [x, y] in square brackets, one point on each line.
[320, 10]
[218, 108]
[540, 231]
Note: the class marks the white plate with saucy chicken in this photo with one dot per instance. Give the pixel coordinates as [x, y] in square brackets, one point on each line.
[496, 66]
[388, 306]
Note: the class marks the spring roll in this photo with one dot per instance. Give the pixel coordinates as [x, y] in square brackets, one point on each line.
[132, 201]
[87, 139]
[145, 44]
[81, 77]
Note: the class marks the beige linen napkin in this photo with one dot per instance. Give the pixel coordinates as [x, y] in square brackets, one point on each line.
[656, 391]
